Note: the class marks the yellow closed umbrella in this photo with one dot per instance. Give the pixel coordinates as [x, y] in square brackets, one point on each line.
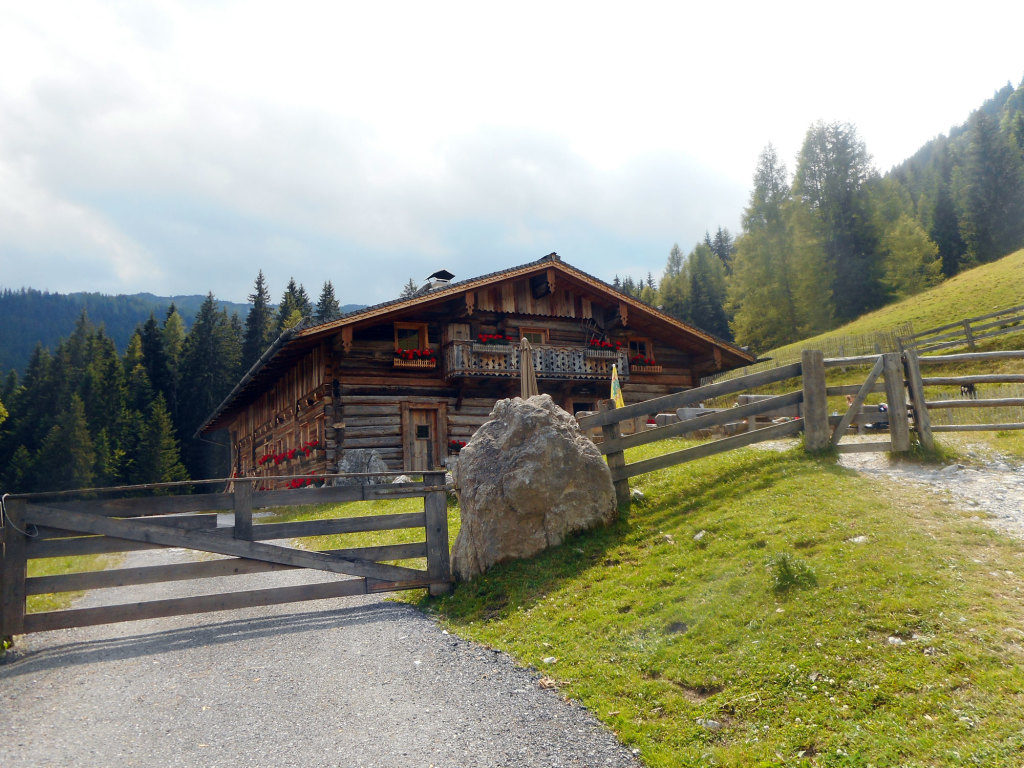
[616, 389]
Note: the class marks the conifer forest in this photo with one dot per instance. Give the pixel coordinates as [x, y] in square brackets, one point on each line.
[819, 244]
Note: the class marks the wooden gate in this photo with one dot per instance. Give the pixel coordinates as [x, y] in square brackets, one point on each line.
[51, 525]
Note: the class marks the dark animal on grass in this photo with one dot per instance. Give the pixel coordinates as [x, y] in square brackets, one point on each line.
[968, 390]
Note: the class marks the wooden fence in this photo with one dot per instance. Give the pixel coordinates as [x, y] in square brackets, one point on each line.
[896, 375]
[59, 525]
[832, 347]
[966, 332]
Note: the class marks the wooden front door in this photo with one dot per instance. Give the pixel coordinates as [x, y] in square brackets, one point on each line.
[422, 437]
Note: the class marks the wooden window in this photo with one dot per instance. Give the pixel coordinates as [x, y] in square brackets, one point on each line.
[642, 347]
[411, 336]
[534, 335]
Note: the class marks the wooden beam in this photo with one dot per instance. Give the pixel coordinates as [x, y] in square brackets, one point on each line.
[435, 510]
[977, 427]
[858, 401]
[700, 422]
[203, 569]
[815, 411]
[922, 419]
[243, 510]
[346, 338]
[624, 317]
[137, 530]
[987, 378]
[13, 569]
[155, 609]
[899, 427]
[773, 432]
[689, 396]
[997, 403]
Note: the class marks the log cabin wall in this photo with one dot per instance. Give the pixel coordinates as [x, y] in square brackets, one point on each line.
[284, 431]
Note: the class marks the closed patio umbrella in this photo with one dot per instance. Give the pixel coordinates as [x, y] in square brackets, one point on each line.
[527, 371]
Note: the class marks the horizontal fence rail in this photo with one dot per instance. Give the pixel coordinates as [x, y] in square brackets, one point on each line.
[40, 526]
[896, 375]
[966, 332]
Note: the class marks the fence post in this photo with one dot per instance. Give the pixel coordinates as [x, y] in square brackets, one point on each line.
[899, 430]
[435, 509]
[14, 568]
[967, 332]
[616, 460]
[922, 419]
[815, 407]
[243, 509]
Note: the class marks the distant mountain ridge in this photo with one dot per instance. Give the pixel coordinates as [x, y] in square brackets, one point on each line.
[29, 317]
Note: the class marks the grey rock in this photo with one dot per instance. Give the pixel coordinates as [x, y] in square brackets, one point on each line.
[361, 461]
[527, 479]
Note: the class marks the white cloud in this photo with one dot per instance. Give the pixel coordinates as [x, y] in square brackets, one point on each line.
[191, 143]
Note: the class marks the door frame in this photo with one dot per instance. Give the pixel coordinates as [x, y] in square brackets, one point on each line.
[440, 434]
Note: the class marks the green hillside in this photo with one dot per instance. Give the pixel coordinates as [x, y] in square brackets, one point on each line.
[977, 291]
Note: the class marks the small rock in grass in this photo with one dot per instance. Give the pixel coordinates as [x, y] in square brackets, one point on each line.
[711, 725]
[857, 540]
[549, 660]
[700, 535]
[896, 641]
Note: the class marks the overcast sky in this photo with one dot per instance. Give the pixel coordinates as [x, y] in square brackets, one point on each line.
[178, 147]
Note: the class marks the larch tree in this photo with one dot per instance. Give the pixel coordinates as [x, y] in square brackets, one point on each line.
[761, 288]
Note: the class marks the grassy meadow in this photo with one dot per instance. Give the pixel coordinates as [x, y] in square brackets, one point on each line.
[770, 608]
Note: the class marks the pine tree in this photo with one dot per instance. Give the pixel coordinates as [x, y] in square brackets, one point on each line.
[154, 356]
[294, 307]
[174, 342]
[210, 368]
[327, 307]
[705, 306]
[408, 290]
[158, 460]
[991, 192]
[18, 476]
[66, 459]
[259, 323]
[830, 185]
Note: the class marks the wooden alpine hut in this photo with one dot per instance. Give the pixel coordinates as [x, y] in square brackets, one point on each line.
[413, 378]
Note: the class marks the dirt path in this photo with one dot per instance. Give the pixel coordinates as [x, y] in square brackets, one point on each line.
[350, 682]
[992, 485]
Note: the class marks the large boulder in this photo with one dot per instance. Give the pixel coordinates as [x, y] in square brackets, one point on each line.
[362, 461]
[526, 480]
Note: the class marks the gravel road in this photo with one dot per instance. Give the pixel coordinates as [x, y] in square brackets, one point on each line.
[348, 682]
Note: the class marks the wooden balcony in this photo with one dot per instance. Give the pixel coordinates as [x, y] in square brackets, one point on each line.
[552, 363]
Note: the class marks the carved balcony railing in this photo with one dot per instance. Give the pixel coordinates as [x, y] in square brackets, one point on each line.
[472, 359]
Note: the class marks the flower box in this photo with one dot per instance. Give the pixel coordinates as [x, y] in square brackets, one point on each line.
[645, 369]
[603, 353]
[401, 363]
